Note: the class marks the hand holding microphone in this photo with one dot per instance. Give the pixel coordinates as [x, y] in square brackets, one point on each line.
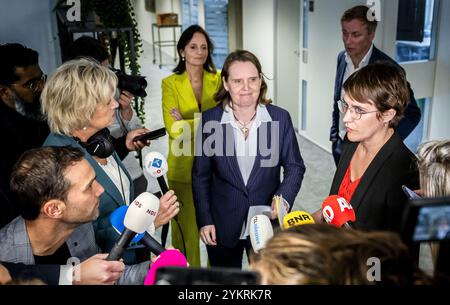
[138, 219]
[156, 166]
[338, 212]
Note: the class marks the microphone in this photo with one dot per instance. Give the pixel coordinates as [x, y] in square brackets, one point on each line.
[297, 218]
[169, 257]
[338, 212]
[117, 218]
[139, 216]
[156, 166]
[260, 231]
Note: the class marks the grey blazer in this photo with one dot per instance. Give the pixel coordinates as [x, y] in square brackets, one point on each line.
[15, 247]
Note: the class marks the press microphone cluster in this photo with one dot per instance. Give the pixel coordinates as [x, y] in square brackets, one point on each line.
[117, 221]
[138, 218]
[297, 218]
[338, 212]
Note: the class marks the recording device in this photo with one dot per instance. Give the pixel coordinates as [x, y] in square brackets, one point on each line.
[338, 212]
[152, 135]
[117, 218]
[297, 218]
[260, 231]
[426, 219]
[410, 193]
[135, 84]
[137, 219]
[156, 165]
[201, 276]
[169, 257]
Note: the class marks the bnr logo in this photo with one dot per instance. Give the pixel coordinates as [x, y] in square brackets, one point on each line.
[74, 12]
[298, 219]
[157, 163]
[374, 12]
[151, 212]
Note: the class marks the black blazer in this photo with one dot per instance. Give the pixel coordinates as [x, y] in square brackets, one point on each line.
[379, 200]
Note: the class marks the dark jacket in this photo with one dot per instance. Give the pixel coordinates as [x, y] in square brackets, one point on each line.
[379, 200]
[221, 198]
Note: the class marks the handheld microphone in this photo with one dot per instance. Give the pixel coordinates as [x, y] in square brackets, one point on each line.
[137, 219]
[260, 231]
[156, 166]
[169, 257]
[297, 218]
[338, 212]
[118, 216]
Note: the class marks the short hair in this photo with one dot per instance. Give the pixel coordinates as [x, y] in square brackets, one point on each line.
[383, 84]
[38, 176]
[185, 38]
[360, 12]
[87, 46]
[320, 254]
[72, 93]
[434, 168]
[222, 95]
[13, 55]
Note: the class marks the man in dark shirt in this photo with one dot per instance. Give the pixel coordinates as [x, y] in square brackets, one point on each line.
[21, 123]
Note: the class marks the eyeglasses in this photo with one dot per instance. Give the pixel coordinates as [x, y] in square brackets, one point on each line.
[355, 112]
[35, 84]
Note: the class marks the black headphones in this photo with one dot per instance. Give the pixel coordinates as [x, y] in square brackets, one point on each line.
[99, 144]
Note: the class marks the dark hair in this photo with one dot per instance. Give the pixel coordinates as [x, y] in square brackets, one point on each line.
[38, 176]
[185, 37]
[86, 46]
[13, 55]
[320, 254]
[382, 83]
[222, 95]
[359, 12]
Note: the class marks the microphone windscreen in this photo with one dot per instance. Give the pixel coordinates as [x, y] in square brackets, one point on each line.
[260, 231]
[141, 212]
[117, 217]
[171, 257]
[155, 164]
[337, 211]
[297, 218]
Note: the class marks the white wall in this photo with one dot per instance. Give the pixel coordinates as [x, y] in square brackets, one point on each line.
[33, 24]
[440, 109]
[258, 25]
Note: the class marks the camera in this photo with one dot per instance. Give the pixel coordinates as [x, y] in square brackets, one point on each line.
[135, 84]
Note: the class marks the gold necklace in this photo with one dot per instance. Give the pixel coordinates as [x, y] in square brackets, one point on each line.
[244, 128]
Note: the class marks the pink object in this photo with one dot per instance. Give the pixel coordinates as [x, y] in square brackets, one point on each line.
[170, 257]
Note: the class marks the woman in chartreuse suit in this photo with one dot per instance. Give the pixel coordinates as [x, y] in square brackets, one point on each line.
[187, 92]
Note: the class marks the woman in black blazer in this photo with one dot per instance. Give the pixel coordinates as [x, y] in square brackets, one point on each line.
[375, 163]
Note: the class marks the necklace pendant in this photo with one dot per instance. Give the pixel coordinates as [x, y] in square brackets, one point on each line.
[244, 130]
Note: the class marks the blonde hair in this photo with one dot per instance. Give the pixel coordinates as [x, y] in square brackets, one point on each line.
[434, 168]
[321, 254]
[71, 95]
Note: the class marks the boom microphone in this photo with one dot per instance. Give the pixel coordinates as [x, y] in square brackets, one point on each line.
[260, 231]
[117, 217]
[169, 257]
[297, 218]
[156, 166]
[338, 212]
[138, 218]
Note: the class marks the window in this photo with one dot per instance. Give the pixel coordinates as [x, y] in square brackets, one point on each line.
[420, 133]
[415, 30]
[216, 24]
